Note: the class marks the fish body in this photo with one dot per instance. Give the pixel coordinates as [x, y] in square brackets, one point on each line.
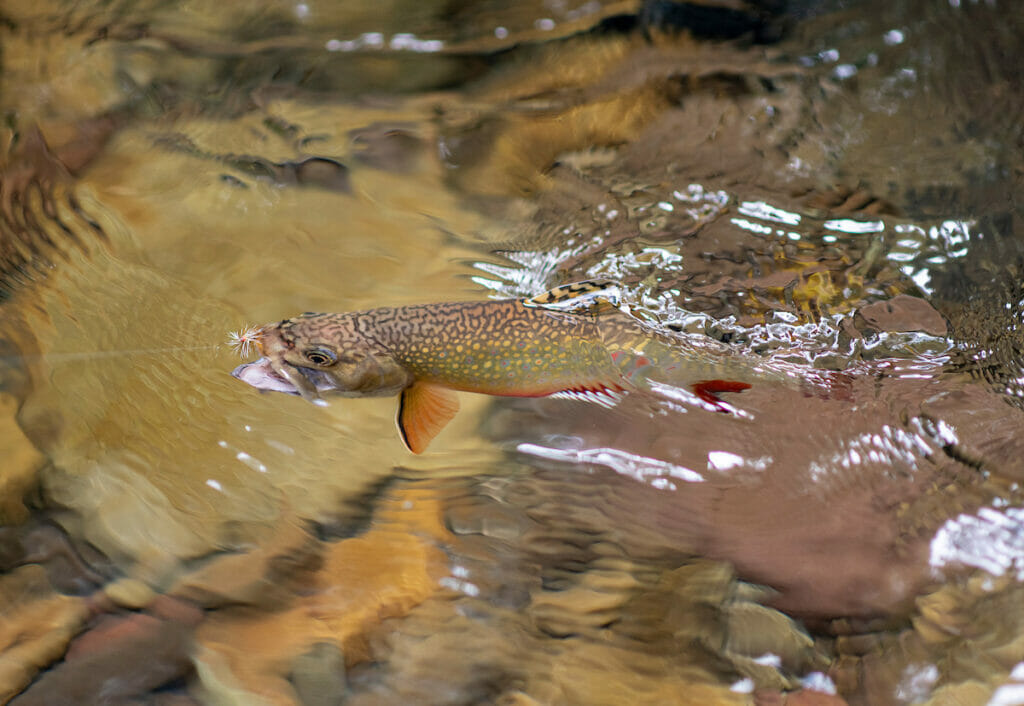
[552, 344]
[497, 348]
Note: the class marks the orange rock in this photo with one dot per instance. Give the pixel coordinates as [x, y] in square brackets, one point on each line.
[248, 654]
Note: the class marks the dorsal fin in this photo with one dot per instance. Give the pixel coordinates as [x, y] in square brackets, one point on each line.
[423, 411]
[590, 296]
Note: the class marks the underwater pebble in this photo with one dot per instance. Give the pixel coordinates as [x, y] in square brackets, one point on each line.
[129, 593]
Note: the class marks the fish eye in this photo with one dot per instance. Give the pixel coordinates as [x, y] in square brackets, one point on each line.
[320, 356]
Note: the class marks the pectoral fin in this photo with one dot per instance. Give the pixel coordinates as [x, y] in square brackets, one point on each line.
[423, 411]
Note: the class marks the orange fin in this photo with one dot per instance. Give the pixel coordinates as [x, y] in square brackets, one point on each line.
[423, 411]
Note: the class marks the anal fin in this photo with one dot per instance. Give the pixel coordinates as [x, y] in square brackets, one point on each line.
[604, 396]
[423, 411]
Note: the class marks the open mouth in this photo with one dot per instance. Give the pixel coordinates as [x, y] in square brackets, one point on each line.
[307, 382]
[261, 375]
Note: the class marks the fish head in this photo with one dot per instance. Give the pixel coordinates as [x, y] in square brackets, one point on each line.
[315, 353]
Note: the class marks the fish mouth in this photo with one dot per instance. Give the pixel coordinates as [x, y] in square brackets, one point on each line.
[262, 375]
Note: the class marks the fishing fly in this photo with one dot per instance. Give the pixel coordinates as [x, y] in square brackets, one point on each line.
[243, 342]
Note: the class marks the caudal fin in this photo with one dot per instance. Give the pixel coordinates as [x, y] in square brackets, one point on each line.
[707, 390]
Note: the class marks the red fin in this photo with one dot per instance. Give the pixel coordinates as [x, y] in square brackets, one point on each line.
[423, 411]
[708, 390]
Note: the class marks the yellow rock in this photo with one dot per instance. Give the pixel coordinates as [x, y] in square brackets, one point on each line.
[600, 675]
[21, 462]
[597, 601]
[129, 593]
[36, 625]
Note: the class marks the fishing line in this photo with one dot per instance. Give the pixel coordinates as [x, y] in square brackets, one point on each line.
[242, 342]
[106, 354]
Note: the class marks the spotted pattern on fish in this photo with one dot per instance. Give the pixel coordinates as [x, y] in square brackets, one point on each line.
[502, 348]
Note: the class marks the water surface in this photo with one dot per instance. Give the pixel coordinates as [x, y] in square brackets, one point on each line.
[832, 190]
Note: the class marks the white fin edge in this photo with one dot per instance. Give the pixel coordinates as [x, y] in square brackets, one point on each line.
[605, 398]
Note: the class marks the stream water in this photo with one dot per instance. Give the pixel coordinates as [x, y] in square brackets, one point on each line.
[828, 188]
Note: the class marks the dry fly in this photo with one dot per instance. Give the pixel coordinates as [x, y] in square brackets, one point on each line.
[243, 341]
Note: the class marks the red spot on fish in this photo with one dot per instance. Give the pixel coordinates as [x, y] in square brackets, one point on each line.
[707, 390]
[641, 361]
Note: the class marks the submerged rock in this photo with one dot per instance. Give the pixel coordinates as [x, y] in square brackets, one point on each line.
[267, 576]
[119, 659]
[903, 313]
[35, 628]
[252, 654]
[21, 463]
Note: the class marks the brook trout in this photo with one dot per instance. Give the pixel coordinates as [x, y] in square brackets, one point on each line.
[553, 344]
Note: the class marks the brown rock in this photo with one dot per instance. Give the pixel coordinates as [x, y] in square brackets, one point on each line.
[120, 659]
[169, 608]
[393, 147]
[903, 313]
[110, 629]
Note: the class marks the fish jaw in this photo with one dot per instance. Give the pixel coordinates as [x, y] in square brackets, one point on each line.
[260, 374]
[264, 375]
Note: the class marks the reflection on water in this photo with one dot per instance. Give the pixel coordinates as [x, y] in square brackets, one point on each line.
[830, 196]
